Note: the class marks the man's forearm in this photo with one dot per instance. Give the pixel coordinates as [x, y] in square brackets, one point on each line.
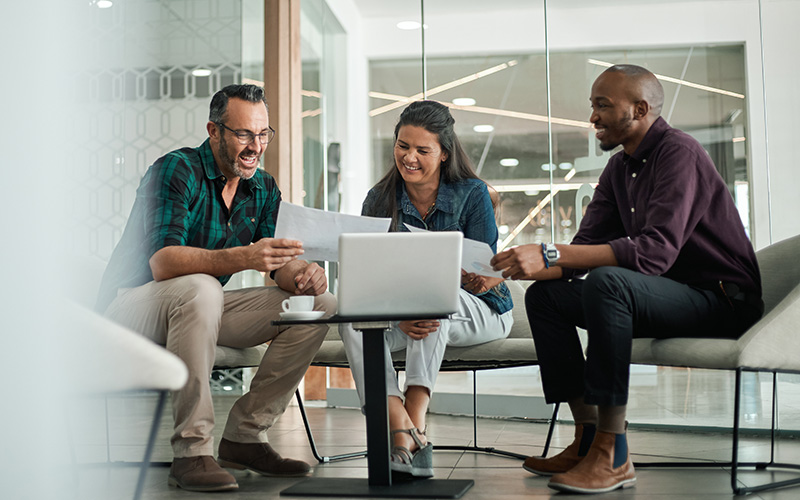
[285, 276]
[586, 256]
[173, 261]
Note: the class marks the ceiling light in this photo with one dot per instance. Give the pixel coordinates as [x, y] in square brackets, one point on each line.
[104, 4]
[503, 229]
[464, 101]
[565, 165]
[569, 175]
[483, 129]
[548, 166]
[201, 72]
[509, 162]
[446, 86]
[408, 25]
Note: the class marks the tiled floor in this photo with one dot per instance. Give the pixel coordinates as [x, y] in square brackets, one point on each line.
[338, 430]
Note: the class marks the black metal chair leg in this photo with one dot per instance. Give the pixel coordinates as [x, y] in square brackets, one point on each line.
[321, 459]
[551, 429]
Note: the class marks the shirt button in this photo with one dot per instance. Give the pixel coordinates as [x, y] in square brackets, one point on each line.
[252, 219]
[634, 174]
[223, 178]
[644, 161]
[633, 209]
[229, 224]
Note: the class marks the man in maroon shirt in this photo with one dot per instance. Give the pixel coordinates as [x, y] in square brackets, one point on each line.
[668, 257]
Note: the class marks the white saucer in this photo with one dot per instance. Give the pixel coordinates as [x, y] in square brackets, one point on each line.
[301, 315]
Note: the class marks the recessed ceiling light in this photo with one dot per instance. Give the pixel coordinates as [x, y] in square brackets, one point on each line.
[104, 4]
[201, 72]
[565, 165]
[483, 129]
[509, 162]
[464, 101]
[548, 166]
[408, 25]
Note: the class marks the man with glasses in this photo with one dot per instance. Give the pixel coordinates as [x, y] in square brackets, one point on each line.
[200, 215]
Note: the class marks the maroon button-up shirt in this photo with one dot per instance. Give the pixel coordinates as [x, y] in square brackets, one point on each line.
[666, 211]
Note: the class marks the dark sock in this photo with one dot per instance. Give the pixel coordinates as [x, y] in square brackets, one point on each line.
[620, 449]
[586, 439]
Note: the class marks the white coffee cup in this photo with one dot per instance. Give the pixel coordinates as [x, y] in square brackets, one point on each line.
[298, 303]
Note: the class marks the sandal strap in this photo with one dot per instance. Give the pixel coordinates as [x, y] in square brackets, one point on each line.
[403, 453]
[413, 433]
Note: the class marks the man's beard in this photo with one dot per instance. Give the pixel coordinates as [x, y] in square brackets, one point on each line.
[620, 127]
[227, 159]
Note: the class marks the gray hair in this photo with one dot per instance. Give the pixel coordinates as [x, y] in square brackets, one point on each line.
[245, 91]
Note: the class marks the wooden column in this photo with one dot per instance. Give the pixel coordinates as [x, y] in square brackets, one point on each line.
[283, 79]
[282, 83]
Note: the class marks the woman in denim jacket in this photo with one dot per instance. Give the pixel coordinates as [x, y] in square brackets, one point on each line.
[433, 186]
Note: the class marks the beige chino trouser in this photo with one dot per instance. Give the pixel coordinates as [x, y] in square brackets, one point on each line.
[190, 315]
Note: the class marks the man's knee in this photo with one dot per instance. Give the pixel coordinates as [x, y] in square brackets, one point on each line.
[604, 281]
[325, 302]
[200, 292]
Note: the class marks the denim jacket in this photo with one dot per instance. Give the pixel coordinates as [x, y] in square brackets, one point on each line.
[463, 206]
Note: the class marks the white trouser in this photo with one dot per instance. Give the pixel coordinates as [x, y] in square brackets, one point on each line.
[424, 357]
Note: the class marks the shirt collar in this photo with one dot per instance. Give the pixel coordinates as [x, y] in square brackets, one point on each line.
[213, 172]
[651, 139]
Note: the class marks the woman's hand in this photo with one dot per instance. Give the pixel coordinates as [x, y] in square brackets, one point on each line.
[418, 329]
[477, 284]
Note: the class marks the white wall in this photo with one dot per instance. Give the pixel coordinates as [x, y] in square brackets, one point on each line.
[578, 25]
[355, 179]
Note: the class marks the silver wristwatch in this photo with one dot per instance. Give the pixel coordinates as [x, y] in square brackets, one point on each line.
[551, 254]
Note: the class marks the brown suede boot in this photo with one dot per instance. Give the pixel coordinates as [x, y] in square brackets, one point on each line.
[200, 474]
[567, 459]
[259, 457]
[606, 467]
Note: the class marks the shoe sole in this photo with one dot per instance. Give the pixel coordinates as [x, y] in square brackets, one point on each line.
[627, 483]
[233, 465]
[540, 473]
[172, 481]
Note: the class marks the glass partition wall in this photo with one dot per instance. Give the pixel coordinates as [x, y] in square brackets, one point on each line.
[517, 77]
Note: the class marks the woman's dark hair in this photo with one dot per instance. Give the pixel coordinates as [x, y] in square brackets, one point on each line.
[436, 119]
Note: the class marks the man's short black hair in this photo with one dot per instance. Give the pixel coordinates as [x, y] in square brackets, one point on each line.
[244, 91]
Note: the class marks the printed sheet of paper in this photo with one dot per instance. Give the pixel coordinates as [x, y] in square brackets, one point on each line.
[475, 256]
[319, 230]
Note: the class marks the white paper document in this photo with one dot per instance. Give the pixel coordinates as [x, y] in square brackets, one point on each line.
[319, 230]
[475, 256]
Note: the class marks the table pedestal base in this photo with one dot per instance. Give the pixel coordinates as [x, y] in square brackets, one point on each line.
[348, 487]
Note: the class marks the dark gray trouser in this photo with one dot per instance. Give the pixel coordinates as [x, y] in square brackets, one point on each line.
[616, 305]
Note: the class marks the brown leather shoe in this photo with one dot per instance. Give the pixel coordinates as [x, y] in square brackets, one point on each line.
[200, 474]
[259, 457]
[600, 470]
[565, 460]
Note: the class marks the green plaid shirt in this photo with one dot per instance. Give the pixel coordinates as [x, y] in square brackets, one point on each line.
[179, 202]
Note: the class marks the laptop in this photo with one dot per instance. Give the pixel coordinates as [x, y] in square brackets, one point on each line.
[402, 275]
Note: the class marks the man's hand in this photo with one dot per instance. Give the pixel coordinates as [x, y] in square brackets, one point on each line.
[311, 280]
[522, 262]
[418, 329]
[477, 284]
[268, 254]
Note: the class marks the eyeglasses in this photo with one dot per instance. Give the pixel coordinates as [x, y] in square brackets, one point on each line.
[245, 137]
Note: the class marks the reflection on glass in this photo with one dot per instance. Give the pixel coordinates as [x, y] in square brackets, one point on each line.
[705, 97]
